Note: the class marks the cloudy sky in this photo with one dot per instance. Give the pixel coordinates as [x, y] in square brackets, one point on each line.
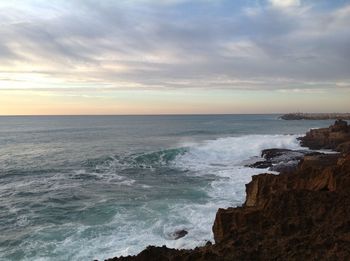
[174, 56]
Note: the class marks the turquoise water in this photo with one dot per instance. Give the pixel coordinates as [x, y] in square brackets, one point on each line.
[85, 187]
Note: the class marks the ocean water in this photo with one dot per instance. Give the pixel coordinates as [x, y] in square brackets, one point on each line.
[93, 187]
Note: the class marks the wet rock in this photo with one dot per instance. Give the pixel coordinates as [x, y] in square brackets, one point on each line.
[209, 243]
[286, 155]
[281, 160]
[285, 167]
[179, 234]
[260, 165]
[270, 154]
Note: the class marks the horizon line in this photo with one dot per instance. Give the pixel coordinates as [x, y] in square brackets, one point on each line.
[162, 114]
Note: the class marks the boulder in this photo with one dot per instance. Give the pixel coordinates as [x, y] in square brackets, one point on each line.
[179, 234]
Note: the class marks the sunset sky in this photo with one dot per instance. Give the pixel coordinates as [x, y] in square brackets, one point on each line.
[174, 56]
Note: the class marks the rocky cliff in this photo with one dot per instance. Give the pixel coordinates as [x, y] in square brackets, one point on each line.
[304, 214]
[335, 137]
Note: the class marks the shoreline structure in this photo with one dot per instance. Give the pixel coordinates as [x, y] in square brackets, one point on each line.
[315, 116]
[302, 213]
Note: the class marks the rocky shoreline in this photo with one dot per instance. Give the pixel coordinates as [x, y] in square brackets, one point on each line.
[315, 116]
[302, 213]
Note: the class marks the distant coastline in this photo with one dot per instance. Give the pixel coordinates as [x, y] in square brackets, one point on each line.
[315, 116]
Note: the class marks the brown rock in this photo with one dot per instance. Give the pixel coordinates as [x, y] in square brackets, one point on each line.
[327, 138]
[343, 147]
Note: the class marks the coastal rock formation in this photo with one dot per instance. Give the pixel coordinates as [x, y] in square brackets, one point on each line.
[343, 147]
[299, 215]
[281, 160]
[328, 138]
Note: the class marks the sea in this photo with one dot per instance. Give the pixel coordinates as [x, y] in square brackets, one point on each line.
[96, 187]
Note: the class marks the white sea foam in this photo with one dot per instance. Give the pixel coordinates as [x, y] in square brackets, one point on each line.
[228, 152]
[221, 158]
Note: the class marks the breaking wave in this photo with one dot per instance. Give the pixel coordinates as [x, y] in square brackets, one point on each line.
[120, 204]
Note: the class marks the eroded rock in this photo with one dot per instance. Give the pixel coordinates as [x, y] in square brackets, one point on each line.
[327, 138]
[281, 160]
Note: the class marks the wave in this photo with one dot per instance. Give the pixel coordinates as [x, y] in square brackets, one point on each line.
[145, 160]
[218, 163]
[196, 132]
[231, 151]
[141, 199]
[217, 153]
[158, 158]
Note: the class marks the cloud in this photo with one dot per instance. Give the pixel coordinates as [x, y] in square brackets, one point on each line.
[101, 45]
[285, 3]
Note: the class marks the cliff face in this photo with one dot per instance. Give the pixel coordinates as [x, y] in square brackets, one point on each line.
[303, 215]
[334, 137]
[297, 215]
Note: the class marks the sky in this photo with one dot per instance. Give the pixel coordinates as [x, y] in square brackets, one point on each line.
[66, 57]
